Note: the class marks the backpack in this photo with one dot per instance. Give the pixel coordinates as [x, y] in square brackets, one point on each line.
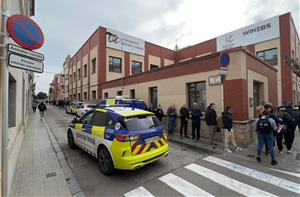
[220, 122]
[264, 126]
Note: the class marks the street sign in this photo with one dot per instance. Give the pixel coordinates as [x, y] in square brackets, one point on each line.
[223, 71]
[215, 80]
[224, 59]
[20, 51]
[25, 32]
[25, 63]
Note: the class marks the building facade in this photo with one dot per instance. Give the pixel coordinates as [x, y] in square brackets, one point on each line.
[57, 87]
[20, 94]
[264, 66]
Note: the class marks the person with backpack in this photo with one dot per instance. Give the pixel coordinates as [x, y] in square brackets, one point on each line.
[265, 127]
[226, 120]
[184, 117]
[171, 112]
[211, 121]
[42, 107]
[196, 121]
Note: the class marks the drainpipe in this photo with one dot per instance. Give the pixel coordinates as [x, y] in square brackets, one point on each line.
[4, 82]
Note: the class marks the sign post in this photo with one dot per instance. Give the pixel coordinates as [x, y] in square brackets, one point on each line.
[224, 60]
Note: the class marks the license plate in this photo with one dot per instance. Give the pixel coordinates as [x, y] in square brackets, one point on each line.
[151, 139]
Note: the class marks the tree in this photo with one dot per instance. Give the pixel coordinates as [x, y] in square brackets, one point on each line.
[41, 95]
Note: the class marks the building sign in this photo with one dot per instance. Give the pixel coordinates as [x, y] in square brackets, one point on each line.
[223, 71]
[259, 32]
[21, 51]
[124, 42]
[25, 63]
[215, 80]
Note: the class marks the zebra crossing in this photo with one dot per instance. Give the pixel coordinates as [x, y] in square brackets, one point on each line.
[213, 176]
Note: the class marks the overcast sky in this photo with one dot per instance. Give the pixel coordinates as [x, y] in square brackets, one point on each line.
[67, 24]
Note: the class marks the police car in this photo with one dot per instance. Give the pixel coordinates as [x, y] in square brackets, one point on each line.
[124, 100]
[119, 137]
[72, 108]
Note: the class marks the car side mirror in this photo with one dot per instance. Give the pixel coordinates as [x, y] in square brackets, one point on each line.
[75, 121]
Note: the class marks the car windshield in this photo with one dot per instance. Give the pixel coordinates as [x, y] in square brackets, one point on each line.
[80, 105]
[90, 106]
[141, 122]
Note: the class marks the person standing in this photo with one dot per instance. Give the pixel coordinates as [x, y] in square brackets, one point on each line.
[34, 104]
[211, 121]
[228, 130]
[196, 121]
[289, 134]
[42, 107]
[171, 112]
[184, 117]
[159, 113]
[265, 127]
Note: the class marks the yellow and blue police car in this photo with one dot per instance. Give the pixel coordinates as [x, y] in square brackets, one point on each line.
[119, 137]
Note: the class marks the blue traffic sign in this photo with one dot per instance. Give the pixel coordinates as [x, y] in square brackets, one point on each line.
[224, 59]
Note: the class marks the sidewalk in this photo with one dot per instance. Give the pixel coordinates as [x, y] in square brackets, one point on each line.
[286, 162]
[38, 172]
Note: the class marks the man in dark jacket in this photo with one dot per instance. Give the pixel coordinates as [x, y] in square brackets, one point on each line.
[184, 117]
[289, 135]
[42, 107]
[171, 112]
[196, 121]
[211, 121]
[228, 130]
[159, 113]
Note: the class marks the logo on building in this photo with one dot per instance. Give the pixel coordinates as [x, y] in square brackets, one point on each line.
[113, 38]
[229, 38]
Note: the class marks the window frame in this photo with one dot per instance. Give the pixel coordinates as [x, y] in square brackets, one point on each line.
[262, 55]
[111, 64]
[133, 67]
[155, 66]
[192, 93]
[94, 91]
[94, 67]
[107, 118]
[85, 71]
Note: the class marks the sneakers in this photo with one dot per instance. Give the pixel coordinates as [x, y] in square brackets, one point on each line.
[229, 151]
[281, 152]
[289, 152]
[258, 159]
[273, 163]
[238, 149]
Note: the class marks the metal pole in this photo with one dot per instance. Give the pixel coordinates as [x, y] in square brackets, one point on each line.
[4, 78]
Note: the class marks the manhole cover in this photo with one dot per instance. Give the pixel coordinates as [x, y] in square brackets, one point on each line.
[297, 157]
[51, 174]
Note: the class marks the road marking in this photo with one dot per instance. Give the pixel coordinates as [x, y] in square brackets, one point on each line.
[140, 191]
[286, 172]
[279, 182]
[182, 186]
[228, 182]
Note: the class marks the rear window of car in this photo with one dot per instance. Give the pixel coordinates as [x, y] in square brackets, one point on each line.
[141, 122]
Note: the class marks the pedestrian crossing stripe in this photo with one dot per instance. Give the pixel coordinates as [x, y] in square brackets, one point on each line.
[138, 192]
[228, 182]
[286, 172]
[285, 184]
[182, 186]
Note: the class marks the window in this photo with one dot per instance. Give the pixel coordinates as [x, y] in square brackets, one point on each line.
[119, 93]
[79, 98]
[74, 96]
[136, 67]
[152, 66]
[132, 93]
[85, 71]
[71, 78]
[106, 95]
[153, 96]
[85, 95]
[12, 92]
[87, 118]
[79, 74]
[94, 94]
[270, 56]
[115, 64]
[141, 122]
[74, 75]
[197, 94]
[94, 65]
[102, 119]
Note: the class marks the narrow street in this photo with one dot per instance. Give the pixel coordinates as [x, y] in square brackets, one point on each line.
[185, 172]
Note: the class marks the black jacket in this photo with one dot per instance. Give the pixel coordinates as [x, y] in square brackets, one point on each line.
[211, 117]
[42, 107]
[227, 120]
[159, 113]
[196, 115]
[184, 113]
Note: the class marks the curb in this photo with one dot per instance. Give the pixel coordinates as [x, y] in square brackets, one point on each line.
[72, 182]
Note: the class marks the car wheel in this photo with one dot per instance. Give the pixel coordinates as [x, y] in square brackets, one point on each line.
[105, 162]
[71, 142]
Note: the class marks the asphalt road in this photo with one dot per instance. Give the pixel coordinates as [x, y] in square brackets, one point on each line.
[185, 172]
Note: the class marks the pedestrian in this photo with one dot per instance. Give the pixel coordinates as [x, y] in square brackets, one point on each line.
[265, 127]
[184, 117]
[196, 121]
[42, 107]
[228, 130]
[211, 121]
[171, 112]
[159, 113]
[34, 104]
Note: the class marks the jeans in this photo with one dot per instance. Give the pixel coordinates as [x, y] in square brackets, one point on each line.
[171, 125]
[261, 138]
[196, 129]
[183, 125]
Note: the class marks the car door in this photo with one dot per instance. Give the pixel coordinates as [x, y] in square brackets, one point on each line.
[82, 127]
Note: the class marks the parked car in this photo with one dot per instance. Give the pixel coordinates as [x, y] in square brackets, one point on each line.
[72, 108]
[121, 100]
[82, 109]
